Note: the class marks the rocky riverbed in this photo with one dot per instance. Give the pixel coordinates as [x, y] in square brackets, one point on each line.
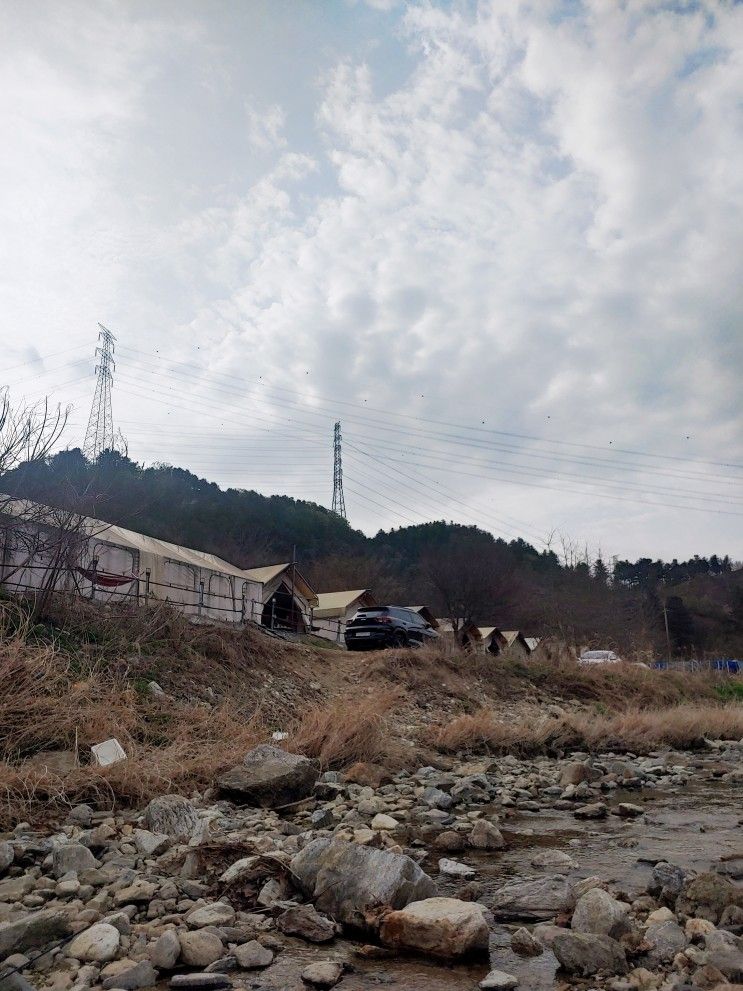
[609, 871]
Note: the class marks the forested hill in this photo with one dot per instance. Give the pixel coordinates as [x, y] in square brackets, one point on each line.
[458, 570]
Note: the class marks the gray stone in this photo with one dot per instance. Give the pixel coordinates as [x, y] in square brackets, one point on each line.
[72, 857]
[526, 945]
[200, 948]
[586, 954]
[32, 931]
[270, 777]
[437, 799]
[354, 883]
[666, 939]
[555, 859]
[196, 982]
[708, 895]
[442, 927]
[596, 810]
[82, 815]
[171, 815]
[729, 961]
[667, 877]
[165, 951]
[215, 914]
[324, 974]
[98, 944]
[150, 844]
[129, 975]
[452, 868]
[597, 912]
[627, 810]
[7, 855]
[500, 980]
[305, 921]
[485, 836]
[533, 898]
[252, 955]
[12, 889]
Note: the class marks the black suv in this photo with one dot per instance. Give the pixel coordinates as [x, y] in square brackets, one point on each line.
[388, 626]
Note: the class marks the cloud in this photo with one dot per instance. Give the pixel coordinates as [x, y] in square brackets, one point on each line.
[265, 129]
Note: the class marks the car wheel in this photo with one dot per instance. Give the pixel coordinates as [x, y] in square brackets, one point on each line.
[399, 639]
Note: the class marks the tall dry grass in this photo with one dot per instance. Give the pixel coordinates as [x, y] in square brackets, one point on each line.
[349, 730]
[637, 730]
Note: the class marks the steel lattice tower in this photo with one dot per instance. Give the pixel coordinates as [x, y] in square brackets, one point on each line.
[339, 503]
[100, 433]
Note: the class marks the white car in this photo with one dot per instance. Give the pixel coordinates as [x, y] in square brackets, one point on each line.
[599, 657]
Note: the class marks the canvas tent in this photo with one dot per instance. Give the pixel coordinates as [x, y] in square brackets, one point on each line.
[496, 641]
[286, 600]
[463, 631]
[334, 609]
[42, 546]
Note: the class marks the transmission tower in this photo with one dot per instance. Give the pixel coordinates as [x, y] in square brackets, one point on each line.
[100, 433]
[339, 503]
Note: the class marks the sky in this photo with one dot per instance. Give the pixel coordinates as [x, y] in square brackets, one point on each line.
[500, 241]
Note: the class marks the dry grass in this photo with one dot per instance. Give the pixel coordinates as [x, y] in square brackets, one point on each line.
[638, 730]
[350, 730]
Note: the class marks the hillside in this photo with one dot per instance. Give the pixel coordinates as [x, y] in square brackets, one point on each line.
[458, 570]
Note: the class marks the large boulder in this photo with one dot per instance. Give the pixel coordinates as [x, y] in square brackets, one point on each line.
[72, 857]
[533, 898]
[707, 896]
[270, 777]
[171, 815]
[585, 954]
[32, 931]
[597, 912]
[98, 944]
[443, 927]
[354, 884]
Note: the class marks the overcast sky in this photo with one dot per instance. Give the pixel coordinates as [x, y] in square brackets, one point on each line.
[500, 241]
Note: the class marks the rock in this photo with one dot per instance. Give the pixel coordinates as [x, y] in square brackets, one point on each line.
[707, 895]
[7, 856]
[137, 893]
[72, 857]
[443, 927]
[216, 914]
[382, 821]
[12, 889]
[555, 859]
[353, 883]
[270, 777]
[276, 889]
[325, 974]
[252, 955]
[32, 931]
[305, 921]
[597, 912]
[486, 836]
[449, 842]
[666, 939]
[526, 945]
[150, 844]
[452, 868]
[437, 799]
[668, 878]
[498, 979]
[575, 773]
[165, 950]
[97, 944]
[662, 915]
[171, 815]
[626, 810]
[596, 810]
[241, 870]
[200, 948]
[200, 982]
[81, 815]
[696, 929]
[129, 975]
[585, 954]
[369, 775]
[729, 961]
[533, 898]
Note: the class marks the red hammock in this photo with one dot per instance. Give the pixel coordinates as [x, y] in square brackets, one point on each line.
[104, 579]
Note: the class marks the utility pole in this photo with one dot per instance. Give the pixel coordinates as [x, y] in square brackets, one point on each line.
[99, 435]
[339, 503]
[668, 634]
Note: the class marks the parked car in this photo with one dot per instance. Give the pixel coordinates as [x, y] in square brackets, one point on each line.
[599, 657]
[388, 626]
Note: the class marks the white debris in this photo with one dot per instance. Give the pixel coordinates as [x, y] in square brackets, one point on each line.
[108, 752]
[279, 735]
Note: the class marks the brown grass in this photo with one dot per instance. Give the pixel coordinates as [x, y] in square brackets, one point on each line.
[350, 730]
[638, 730]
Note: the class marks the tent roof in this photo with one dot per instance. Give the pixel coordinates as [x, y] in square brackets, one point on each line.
[266, 574]
[487, 631]
[271, 572]
[332, 604]
[110, 533]
[509, 636]
[532, 642]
